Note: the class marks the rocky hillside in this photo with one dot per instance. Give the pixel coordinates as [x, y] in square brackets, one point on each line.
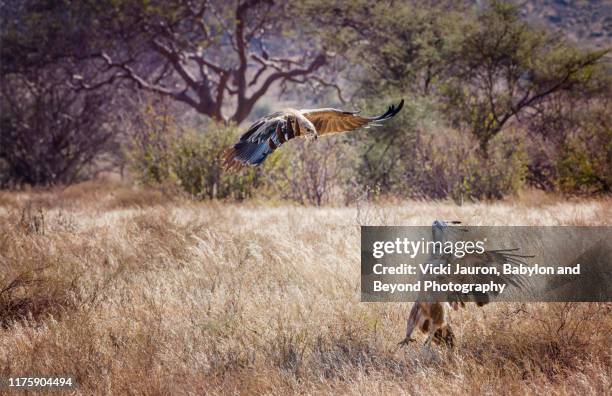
[585, 21]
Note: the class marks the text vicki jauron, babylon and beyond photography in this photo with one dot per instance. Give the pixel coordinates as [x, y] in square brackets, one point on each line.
[458, 269]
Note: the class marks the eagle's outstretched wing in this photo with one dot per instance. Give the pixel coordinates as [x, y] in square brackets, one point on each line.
[259, 141]
[334, 121]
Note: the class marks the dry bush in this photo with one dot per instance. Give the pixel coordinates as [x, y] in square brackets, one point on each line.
[313, 173]
[446, 164]
[33, 287]
[50, 134]
[210, 298]
[132, 197]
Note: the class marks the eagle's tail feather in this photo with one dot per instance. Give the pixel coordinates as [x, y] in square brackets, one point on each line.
[228, 159]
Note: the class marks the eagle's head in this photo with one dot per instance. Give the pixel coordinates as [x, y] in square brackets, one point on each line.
[441, 229]
[306, 127]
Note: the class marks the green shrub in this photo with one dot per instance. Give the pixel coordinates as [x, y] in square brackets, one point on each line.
[417, 156]
[446, 164]
[198, 170]
[502, 173]
[165, 155]
[396, 159]
[150, 154]
[584, 165]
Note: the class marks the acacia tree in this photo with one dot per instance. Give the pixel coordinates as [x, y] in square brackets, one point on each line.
[218, 57]
[502, 68]
[389, 45]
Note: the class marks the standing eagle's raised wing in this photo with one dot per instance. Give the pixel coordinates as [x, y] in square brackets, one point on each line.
[491, 259]
[328, 121]
[473, 268]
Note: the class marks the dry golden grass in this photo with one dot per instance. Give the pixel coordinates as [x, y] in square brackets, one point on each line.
[131, 292]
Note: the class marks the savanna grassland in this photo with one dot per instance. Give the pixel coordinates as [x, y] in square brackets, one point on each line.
[134, 292]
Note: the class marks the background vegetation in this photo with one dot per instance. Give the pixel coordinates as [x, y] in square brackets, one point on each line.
[496, 101]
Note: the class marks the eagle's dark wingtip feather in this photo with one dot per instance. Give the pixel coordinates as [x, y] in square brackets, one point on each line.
[391, 112]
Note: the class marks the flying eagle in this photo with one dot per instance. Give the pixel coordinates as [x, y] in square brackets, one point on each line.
[270, 132]
[433, 317]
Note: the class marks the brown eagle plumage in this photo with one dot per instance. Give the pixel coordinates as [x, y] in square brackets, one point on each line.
[270, 132]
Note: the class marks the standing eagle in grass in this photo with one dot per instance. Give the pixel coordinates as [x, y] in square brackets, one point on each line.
[270, 132]
[433, 317]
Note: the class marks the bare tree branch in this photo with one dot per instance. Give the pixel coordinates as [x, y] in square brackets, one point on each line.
[328, 84]
[318, 62]
[218, 58]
